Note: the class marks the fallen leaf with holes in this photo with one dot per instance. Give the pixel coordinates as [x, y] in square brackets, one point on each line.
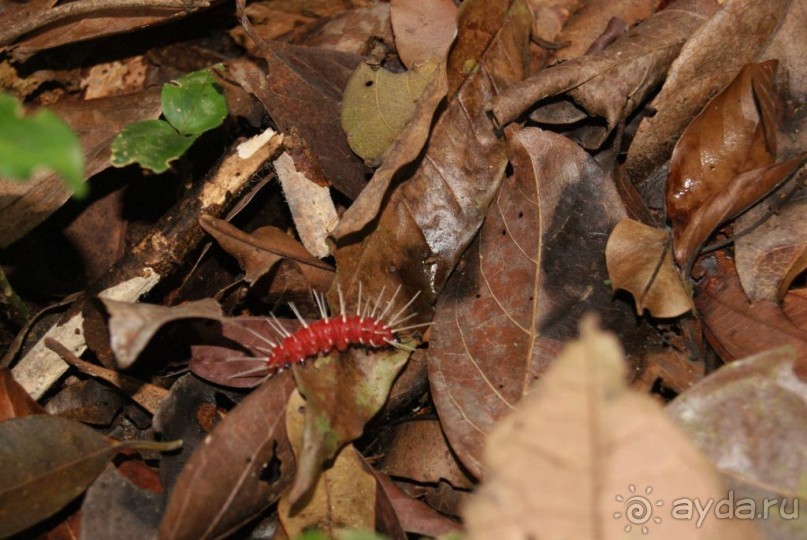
[639, 259]
[377, 104]
[535, 268]
[748, 417]
[423, 30]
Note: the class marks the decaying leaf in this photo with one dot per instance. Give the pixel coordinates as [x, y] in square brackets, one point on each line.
[377, 104]
[241, 469]
[731, 38]
[582, 435]
[536, 266]
[772, 255]
[47, 461]
[423, 30]
[639, 259]
[749, 417]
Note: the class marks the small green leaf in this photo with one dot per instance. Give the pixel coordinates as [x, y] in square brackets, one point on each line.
[151, 143]
[193, 103]
[39, 141]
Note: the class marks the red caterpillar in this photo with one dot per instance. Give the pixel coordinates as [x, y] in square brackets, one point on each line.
[367, 328]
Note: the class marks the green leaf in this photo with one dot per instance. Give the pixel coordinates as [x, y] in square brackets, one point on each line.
[193, 103]
[47, 461]
[39, 141]
[151, 143]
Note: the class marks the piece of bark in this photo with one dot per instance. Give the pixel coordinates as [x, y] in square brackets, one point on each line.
[160, 253]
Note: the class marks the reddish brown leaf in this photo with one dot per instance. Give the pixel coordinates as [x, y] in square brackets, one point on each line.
[735, 133]
[611, 84]
[243, 467]
[536, 266]
[743, 191]
[14, 400]
[423, 30]
[416, 516]
[737, 328]
[352, 31]
[795, 307]
[748, 417]
[709, 60]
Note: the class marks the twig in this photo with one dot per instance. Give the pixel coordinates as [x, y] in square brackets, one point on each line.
[86, 7]
[144, 394]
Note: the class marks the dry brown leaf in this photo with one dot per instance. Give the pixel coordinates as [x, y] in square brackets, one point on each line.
[611, 84]
[736, 328]
[708, 61]
[733, 134]
[795, 307]
[536, 266]
[751, 420]
[743, 191]
[639, 259]
[774, 253]
[568, 461]
[14, 400]
[415, 515]
[423, 29]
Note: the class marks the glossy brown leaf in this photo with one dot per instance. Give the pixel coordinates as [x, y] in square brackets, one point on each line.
[432, 215]
[582, 435]
[536, 266]
[14, 400]
[243, 467]
[132, 325]
[750, 417]
[422, 30]
[734, 133]
[639, 259]
[610, 84]
[257, 252]
[47, 461]
[743, 191]
[772, 255]
[737, 328]
[709, 60]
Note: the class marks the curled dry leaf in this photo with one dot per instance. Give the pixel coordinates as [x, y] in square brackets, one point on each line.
[736, 328]
[257, 252]
[772, 255]
[582, 435]
[243, 467]
[743, 191]
[433, 215]
[611, 84]
[735, 133]
[14, 400]
[536, 266]
[377, 104]
[47, 461]
[132, 325]
[751, 420]
[709, 60]
[423, 30]
[639, 259]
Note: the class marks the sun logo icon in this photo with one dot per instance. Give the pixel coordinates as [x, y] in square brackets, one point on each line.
[638, 509]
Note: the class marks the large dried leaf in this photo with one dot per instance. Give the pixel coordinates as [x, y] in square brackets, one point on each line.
[750, 418]
[537, 265]
[431, 217]
[708, 61]
[303, 91]
[639, 259]
[611, 84]
[582, 435]
[377, 105]
[742, 192]
[737, 328]
[132, 325]
[47, 461]
[423, 30]
[14, 400]
[774, 253]
[257, 252]
[97, 122]
[735, 133]
[343, 392]
[243, 467]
